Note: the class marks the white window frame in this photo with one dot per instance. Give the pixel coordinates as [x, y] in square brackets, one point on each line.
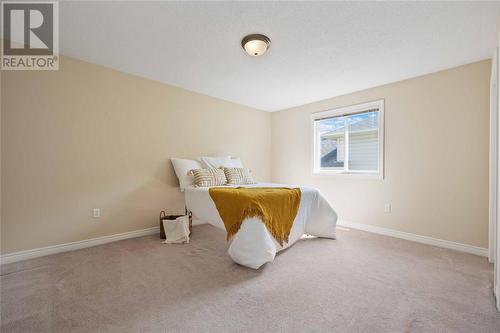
[345, 111]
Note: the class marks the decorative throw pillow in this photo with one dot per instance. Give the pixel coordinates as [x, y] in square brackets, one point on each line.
[238, 176]
[208, 177]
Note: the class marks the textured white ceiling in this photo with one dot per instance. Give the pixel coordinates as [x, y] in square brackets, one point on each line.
[318, 50]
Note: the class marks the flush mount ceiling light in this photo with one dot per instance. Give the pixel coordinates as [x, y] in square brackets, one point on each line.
[255, 44]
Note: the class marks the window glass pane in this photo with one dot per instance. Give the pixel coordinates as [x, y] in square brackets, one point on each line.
[363, 141]
[332, 143]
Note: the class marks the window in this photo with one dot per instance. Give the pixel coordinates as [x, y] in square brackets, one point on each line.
[350, 140]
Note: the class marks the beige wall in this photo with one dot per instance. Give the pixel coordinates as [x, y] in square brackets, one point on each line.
[86, 136]
[436, 156]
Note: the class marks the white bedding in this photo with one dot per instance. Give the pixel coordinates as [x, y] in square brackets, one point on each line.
[253, 245]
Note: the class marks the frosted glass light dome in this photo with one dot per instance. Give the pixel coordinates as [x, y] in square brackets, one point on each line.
[255, 45]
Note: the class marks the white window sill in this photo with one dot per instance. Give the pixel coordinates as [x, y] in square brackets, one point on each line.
[362, 175]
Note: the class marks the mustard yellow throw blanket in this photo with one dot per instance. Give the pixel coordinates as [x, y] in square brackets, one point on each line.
[276, 206]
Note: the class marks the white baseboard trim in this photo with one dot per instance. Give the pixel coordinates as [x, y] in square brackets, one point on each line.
[48, 250]
[44, 251]
[480, 251]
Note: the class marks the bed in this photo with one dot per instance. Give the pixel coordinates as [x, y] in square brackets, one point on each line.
[253, 246]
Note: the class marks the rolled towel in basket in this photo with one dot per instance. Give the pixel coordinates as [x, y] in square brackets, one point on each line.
[177, 231]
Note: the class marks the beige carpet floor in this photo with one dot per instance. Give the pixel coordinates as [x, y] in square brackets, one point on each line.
[358, 283]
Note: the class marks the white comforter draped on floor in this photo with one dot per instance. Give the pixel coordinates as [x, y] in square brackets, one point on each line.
[253, 245]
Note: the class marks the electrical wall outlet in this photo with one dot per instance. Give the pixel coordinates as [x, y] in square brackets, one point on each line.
[96, 212]
[387, 208]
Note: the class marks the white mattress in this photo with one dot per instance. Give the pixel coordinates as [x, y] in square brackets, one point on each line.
[253, 245]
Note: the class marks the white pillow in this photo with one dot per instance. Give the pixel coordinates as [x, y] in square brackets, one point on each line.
[236, 162]
[215, 162]
[182, 167]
